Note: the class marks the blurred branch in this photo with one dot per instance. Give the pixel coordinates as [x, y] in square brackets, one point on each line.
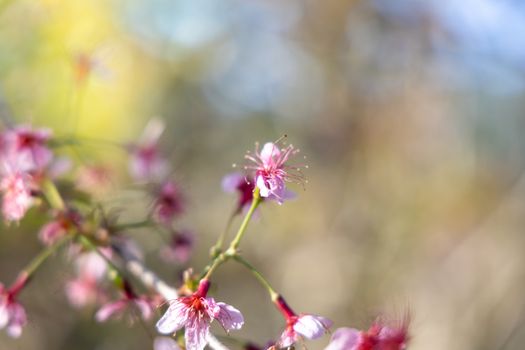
[135, 267]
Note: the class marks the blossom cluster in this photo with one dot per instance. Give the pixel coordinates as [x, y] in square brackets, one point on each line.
[98, 247]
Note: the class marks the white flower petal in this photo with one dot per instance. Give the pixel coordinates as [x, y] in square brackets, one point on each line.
[264, 191]
[196, 334]
[345, 339]
[311, 327]
[4, 317]
[174, 318]
[231, 181]
[287, 338]
[229, 317]
[269, 151]
[165, 343]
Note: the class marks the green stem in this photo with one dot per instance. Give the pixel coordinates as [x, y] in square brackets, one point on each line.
[90, 245]
[42, 256]
[217, 248]
[273, 294]
[234, 245]
[131, 225]
[52, 195]
[210, 269]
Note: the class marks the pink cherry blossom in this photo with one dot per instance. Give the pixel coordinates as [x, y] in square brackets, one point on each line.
[195, 313]
[26, 149]
[169, 203]
[272, 171]
[16, 189]
[63, 222]
[307, 326]
[379, 337]
[12, 314]
[130, 304]
[179, 249]
[237, 182]
[85, 289]
[147, 163]
[298, 326]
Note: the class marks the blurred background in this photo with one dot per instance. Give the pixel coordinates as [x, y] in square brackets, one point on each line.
[410, 113]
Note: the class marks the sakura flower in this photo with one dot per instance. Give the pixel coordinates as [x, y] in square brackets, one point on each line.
[128, 303]
[195, 313]
[169, 203]
[237, 182]
[272, 171]
[16, 189]
[12, 314]
[146, 161]
[26, 149]
[303, 325]
[165, 343]
[345, 339]
[59, 227]
[378, 337]
[179, 249]
[84, 289]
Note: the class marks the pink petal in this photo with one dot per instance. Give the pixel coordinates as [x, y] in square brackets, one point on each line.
[312, 327]
[91, 265]
[345, 339]
[145, 308]
[196, 333]
[17, 321]
[110, 309]
[229, 317]
[269, 151]
[174, 318]
[287, 338]
[165, 343]
[212, 307]
[231, 181]
[50, 232]
[264, 191]
[81, 292]
[4, 316]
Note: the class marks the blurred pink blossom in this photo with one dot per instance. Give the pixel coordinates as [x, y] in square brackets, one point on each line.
[195, 313]
[169, 203]
[297, 326]
[130, 305]
[12, 314]
[85, 288]
[237, 182]
[378, 337]
[179, 249]
[147, 163]
[16, 189]
[26, 149]
[59, 226]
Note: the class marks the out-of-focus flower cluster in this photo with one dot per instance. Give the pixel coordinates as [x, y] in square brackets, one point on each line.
[31, 174]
